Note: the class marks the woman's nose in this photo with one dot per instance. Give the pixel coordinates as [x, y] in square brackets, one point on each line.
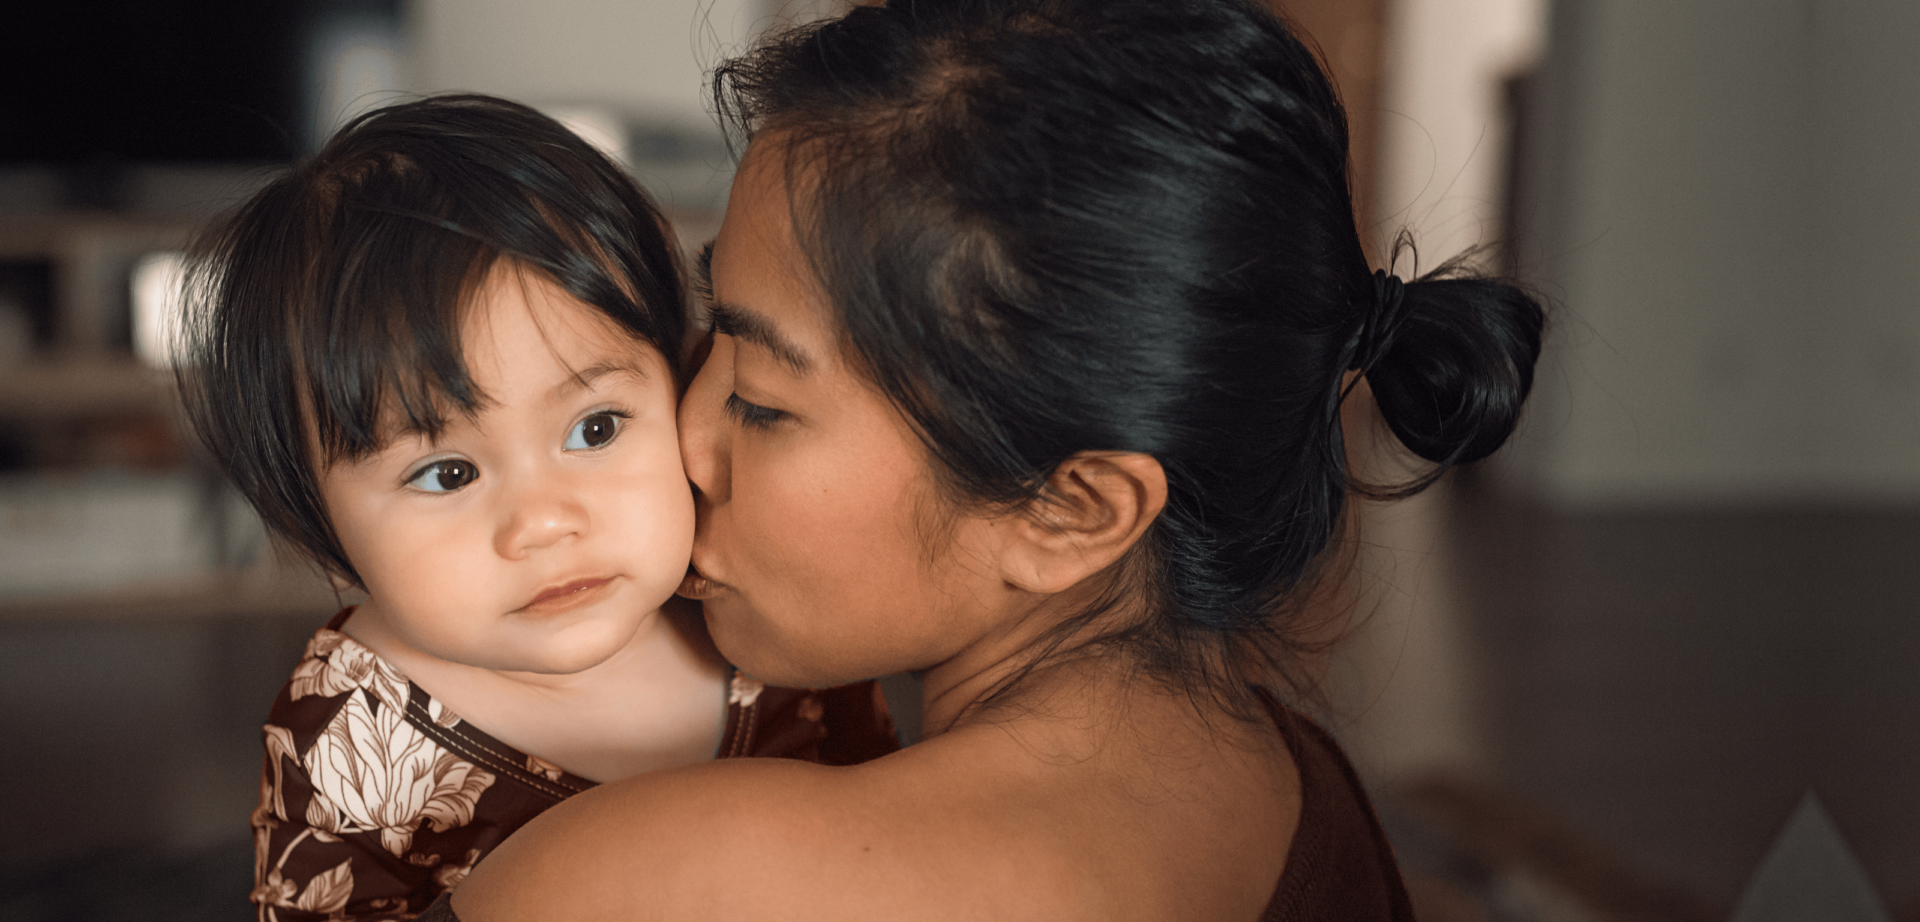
[704, 434]
[542, 516]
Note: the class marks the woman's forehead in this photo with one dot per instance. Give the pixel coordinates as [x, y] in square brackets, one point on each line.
[761, 281]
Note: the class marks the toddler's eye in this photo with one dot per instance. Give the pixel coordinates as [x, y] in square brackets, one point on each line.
[444, 476]
[594, 431]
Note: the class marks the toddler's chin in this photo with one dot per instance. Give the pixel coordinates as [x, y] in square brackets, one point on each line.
[582, 651]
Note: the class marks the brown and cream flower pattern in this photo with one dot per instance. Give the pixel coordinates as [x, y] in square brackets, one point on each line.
[376, 798]
[369, 776]
[373, 772]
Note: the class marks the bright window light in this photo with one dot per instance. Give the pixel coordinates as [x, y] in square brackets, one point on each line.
[157, 307]
[358, 68]
[598, 127]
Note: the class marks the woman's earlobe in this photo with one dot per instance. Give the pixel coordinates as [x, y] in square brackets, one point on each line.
[1095, 508]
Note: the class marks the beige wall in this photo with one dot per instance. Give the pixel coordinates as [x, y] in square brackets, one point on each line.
[1443, 128]
[1862, 237]
[1726, 207]
[1404, 685]
[645, 58]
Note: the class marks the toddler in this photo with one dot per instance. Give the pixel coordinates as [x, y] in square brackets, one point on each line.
[440, 360]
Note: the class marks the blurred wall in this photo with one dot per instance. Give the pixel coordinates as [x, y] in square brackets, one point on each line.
[631, 76]
[1862, 123]
[1444, 125]
[1722, 197]
[1405, 684]
[645, 58]
[1349, 35]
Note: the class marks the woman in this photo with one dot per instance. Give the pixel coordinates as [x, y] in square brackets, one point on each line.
[1034, 318]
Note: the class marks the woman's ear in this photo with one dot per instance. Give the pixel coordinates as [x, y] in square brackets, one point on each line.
[1093, 510]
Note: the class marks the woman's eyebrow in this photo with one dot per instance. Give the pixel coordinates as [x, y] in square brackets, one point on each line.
[755, 328]
[737, 321]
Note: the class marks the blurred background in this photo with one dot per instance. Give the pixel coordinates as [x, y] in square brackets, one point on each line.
[1595, 679]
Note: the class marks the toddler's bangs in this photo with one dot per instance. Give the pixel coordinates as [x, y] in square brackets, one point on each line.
[382, 345]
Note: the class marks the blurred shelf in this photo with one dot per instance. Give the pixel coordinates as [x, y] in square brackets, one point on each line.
[89, 256]
[53, 387]
[82, 235]
[266, 592]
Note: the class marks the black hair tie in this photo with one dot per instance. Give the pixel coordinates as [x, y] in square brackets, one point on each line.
[1383, 321]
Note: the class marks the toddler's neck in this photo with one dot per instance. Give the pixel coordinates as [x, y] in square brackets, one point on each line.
[658, 702]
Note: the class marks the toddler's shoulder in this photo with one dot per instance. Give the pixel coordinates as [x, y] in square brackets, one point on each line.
[331, 667]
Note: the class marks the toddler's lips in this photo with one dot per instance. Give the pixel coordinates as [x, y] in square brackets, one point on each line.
[565, 596]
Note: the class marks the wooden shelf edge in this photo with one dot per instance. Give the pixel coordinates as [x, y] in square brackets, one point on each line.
[66, 387]
[239, 595]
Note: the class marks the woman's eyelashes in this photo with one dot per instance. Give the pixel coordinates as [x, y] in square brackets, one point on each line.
[443, 476]
[595, 430]
[703, 275]
[752, 415]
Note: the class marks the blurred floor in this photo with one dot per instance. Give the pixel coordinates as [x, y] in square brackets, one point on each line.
[1660, 688]
[136, 758]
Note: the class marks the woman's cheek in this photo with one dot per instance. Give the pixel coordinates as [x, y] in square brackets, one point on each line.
[802, 531]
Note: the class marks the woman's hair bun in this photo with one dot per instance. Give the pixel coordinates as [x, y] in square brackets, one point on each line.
[1452, 381]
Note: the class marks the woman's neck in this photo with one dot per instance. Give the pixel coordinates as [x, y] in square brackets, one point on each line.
[1091, 722]
[1037, 661]
[657, 702]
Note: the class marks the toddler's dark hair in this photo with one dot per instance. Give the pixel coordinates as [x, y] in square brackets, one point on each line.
[330, 304]
[1055, 226]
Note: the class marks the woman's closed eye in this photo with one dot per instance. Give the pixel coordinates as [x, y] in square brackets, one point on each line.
[443, 476]
[753, 415]
[596, 430]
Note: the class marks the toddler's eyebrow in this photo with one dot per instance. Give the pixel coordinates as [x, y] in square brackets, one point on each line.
[585, 377]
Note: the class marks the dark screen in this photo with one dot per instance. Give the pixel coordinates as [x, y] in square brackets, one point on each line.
[114, 81]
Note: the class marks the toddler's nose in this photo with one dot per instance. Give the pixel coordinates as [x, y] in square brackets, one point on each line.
[538, 518]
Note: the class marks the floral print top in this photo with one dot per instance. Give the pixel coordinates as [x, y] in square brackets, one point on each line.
[375, 798]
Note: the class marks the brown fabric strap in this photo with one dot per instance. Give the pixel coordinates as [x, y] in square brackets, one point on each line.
[440, 911]
[471, 747]
[1340, 867]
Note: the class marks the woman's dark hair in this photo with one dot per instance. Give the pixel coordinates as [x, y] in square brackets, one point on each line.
[1054, 226]
[329, 304]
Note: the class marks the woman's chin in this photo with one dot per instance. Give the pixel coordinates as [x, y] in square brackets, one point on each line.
[725, 626]
[761, 648]
[747, 648]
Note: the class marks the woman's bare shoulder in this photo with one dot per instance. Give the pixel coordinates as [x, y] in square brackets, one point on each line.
[678, 844]
[969, 824]
[902, 837]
